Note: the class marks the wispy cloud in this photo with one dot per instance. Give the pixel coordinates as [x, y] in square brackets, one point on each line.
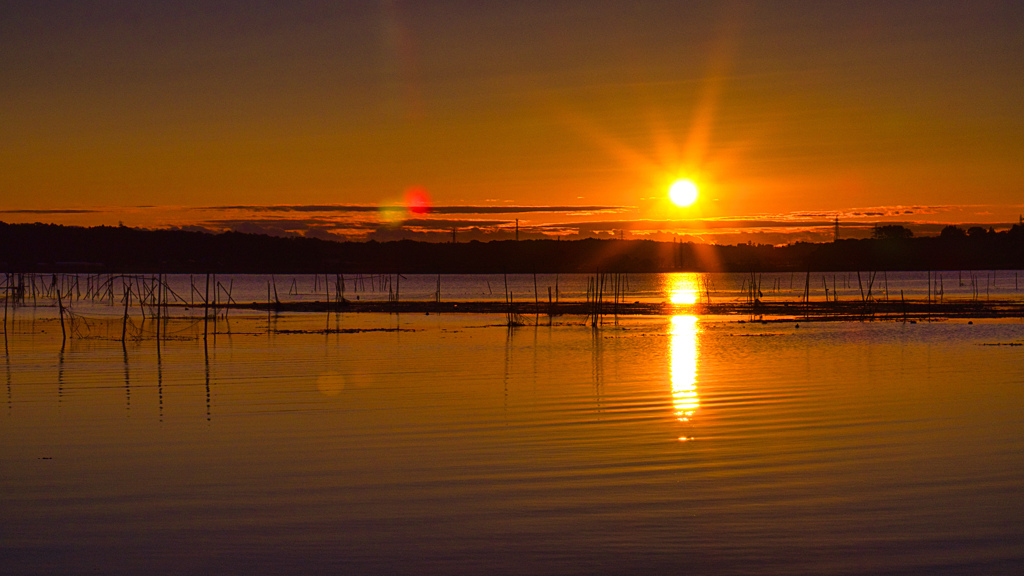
[355, 208]
[55, 211]
[445, 224]
[890, 211]
[708, 224]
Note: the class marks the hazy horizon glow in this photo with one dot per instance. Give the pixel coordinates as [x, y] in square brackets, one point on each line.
[574, 119]
[360, 223]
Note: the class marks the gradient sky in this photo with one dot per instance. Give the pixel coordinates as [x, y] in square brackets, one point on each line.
[573, 117]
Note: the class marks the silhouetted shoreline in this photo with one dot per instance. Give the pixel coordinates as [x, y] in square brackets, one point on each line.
[105, 249]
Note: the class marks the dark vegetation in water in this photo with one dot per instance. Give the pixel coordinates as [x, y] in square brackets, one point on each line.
[54, 248]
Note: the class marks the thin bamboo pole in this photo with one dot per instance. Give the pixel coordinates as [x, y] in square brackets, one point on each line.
[127, 302]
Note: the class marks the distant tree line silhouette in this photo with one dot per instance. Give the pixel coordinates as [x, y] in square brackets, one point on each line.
[55, 248]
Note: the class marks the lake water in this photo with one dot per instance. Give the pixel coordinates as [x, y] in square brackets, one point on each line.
[450, 444]
[90, 292]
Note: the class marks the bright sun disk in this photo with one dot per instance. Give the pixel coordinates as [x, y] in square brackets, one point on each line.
[682, 192]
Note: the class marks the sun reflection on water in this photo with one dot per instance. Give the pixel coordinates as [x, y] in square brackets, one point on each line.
[683, 353]
[683, 287]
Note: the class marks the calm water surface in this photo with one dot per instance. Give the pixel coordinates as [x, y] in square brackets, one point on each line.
[103, 294]
[448, 444]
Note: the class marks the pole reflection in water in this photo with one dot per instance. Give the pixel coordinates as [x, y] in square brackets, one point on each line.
[206, 362]
[683, 353]
[7, 361]
[160, 373]
[127, 381]
[60, 374]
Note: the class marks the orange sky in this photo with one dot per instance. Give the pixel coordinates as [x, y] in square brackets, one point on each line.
[787, 114]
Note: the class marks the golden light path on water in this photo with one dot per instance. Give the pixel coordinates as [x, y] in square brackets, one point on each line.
[683, 288]
[683, 354]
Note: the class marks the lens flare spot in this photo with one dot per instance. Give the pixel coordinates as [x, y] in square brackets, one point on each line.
[391, 215]
[417, 200]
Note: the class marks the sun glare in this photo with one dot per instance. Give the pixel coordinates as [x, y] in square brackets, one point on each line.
[683, 353]
[683, 288]
[682, 192]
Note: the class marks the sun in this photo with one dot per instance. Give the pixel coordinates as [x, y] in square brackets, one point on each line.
[682, 192]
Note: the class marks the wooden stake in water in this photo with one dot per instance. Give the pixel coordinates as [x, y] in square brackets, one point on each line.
[807, 287]
[536, 301]
[63, 333]
[127, 302]
[509, 311]
[903, 302]
[142, 295]
[327, 297]
[158, 287]
[206, 309]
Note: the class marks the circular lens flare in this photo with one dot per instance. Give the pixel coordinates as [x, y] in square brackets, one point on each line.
[417, 200]
[682, 192]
